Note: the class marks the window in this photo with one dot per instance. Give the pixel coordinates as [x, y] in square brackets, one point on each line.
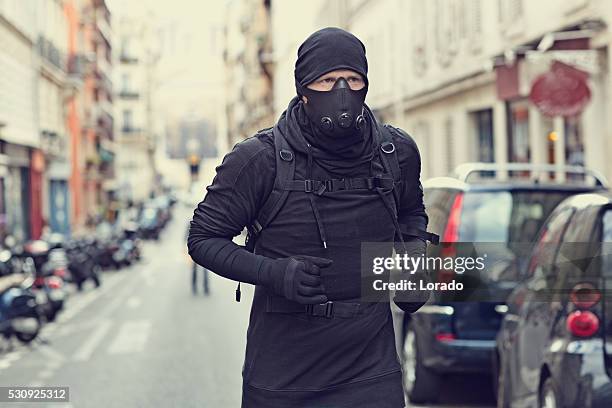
[438, 203]
[483, 123]
[510, 15]
[518, 135]
[574, 142]
[127, 119]
[125, 82]
[606, 250]
[544, 253]
[450, 144]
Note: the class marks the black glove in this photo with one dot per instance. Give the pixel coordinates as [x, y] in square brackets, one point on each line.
[411, 301]
[296, 278]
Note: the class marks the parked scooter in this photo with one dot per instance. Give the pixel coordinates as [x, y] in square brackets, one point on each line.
[19, 316]
[47, 284]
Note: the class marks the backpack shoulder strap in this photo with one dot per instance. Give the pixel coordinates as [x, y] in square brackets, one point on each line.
[389, 156]
[285, 171]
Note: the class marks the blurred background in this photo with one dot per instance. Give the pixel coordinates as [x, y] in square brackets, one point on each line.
[112, 111]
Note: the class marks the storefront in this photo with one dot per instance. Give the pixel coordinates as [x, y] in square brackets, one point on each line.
[17, 192]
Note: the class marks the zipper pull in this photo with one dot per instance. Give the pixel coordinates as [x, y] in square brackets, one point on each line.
[238, 293]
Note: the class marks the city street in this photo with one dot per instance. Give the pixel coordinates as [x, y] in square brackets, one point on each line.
[144, 340]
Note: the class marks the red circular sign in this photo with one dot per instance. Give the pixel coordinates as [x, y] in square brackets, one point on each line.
[562, 91]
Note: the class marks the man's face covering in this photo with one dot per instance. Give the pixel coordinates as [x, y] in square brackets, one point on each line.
[339, 112]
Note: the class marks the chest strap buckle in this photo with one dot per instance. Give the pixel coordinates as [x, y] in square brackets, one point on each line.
[321, 309]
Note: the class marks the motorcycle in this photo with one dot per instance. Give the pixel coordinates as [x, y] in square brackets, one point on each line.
[19, 312]
[47, 282]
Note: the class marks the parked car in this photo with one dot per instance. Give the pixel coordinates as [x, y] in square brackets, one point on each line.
[150, 222]
[553, 348]
[454, 336]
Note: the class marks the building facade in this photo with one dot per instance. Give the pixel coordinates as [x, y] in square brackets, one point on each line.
[133, 65]
[459, 77]
[19, 134]
[249, 68]
[55, 115]
[97, 125]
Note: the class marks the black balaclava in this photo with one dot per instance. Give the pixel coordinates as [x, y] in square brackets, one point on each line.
[337, 116]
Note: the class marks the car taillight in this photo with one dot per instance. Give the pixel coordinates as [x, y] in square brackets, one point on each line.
[39, 281]
[585, 295]
[54, 282]
[451, 232]
[582, 323]
[450, 237]
[443, 337]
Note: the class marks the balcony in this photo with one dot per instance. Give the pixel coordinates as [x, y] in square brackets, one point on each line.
[126, 58]
[104, 82]
[77, 65]
[53, 62]
[103, 66]
[129, 94]
[131, 130]
[104, 30]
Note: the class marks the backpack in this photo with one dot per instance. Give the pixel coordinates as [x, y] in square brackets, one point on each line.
[284, 183]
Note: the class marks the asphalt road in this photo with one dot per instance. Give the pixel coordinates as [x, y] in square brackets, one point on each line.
[143, 340]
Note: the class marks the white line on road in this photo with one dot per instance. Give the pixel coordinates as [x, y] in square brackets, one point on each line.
[131, 338]
[73, 309]
[134, 302]
[85, 351]
[52, 354]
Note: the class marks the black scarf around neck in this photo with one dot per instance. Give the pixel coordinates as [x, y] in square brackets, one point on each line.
[336, 155]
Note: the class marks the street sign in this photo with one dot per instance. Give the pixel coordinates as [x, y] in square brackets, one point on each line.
[562, 91]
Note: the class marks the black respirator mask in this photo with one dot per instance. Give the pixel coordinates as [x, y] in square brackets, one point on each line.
[338, 112]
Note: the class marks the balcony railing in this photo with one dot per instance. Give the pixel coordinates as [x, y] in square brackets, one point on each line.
[129, 129]
[129, 94]
[126, 58]
[50, 53]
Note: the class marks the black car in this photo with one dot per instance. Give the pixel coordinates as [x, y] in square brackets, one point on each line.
[151, 222]
[450, 335]
[553, 349]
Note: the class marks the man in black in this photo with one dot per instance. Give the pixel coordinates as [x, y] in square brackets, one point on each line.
[311, 342]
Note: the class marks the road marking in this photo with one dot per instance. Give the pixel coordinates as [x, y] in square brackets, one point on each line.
[85, 351]
[46, 373]
[54, 356]
[134, 302]
[132, 337]
[75, 308]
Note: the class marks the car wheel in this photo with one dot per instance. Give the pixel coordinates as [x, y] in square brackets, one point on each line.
[421, 385]
[549, 398]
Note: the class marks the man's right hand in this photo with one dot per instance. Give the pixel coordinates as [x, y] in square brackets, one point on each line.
[297, 278]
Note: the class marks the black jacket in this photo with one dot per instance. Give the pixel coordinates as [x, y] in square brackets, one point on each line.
[294, 360]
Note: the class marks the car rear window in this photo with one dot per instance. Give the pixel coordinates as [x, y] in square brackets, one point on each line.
[506, 216]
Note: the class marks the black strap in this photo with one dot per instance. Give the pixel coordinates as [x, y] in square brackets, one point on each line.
[277, 304]
[389, 153]
[419, 233]
[331, 185]
[284, 172]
